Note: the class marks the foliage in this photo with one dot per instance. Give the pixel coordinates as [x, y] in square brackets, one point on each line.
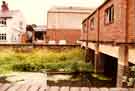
[100, 77]
[129, 79]
[66, 61]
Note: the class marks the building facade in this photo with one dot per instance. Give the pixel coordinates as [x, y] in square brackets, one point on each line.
[12, 25]
[39, 34]
[109, 35]
[64, 24]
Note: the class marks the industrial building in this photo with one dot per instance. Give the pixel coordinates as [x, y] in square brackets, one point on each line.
[108, 35]
[64, 24]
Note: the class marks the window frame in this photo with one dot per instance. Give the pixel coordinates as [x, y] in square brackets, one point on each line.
[85, 27]
[92, 23]
[3, 36]
[109, 15]
[3, 21]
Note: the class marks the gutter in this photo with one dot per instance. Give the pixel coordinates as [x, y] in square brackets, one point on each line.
[98, 30]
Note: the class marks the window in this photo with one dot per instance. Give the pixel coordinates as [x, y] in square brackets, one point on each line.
[85, 27]
[3, 36]
[21, 25]
[3, 21]
[92, 23]
[109, 15]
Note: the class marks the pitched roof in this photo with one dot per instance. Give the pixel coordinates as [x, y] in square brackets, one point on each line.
[104, 3]
[9, 14]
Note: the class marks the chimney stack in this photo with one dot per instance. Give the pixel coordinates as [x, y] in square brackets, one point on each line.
[4, 7]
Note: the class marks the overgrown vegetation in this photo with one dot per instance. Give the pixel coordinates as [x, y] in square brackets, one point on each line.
[129, 80]
[65, 61]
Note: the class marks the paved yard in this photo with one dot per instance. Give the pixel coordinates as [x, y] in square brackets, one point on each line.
[37, 82]
[33, 86]
[24, 81]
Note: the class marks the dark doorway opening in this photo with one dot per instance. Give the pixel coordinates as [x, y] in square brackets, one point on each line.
[110, 67]
[131, 64]
[90, 55]
[39, 35]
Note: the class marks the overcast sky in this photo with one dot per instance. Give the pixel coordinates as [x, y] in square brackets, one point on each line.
[35, 11]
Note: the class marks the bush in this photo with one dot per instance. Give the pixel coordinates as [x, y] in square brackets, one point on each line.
[129, 79]
[52, 67]
[38, 59]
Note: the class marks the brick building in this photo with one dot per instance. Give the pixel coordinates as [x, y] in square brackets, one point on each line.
[109, 35]
[40, 34]
[64, 24]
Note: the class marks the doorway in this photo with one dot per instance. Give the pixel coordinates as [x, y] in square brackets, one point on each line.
[110, 67]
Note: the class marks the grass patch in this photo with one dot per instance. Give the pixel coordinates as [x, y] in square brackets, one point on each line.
[100, 77]
[66, 61]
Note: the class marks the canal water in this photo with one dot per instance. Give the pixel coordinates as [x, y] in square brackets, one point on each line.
[79, 80]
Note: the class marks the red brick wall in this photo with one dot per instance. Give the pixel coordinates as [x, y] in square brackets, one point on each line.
[93, 32]
[70, 35]
[23, 38]
[84, 31]
[131, 20]
[117, 30]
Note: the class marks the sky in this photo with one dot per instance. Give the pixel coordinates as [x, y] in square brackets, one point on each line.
[35, 11]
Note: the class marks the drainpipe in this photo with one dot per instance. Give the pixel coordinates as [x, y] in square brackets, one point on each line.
[126, 40]
[98, 30]
[86, 50]
[97, 54]
[98, 26]
[87, 34]
[126, 37]
[123, 68]
[126, 27]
